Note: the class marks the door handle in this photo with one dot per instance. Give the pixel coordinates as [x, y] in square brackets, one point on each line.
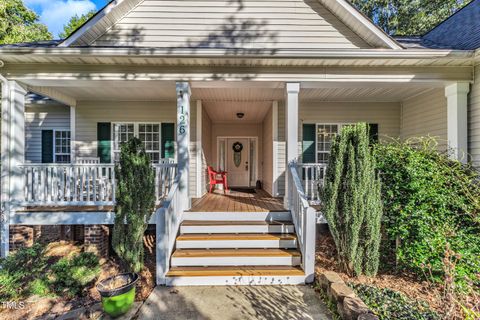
[246, 166]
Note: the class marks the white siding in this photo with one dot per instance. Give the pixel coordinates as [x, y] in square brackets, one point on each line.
[192, 179]
[267, 158]
[89, 113]
[247, 26]
[207, 153]
[385, 114]
[281, 150]
[38, 118]
[474, 120]
[424, 115]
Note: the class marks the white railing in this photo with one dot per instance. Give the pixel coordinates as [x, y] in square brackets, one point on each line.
[164, 177]
[168, 220]
[69, 184]
[304, 218]
[312, 176]
[83, 184]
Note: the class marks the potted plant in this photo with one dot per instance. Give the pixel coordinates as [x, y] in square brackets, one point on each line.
[118, 293]
[135, 203]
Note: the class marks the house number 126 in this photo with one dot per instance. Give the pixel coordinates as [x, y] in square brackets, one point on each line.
[182, 121]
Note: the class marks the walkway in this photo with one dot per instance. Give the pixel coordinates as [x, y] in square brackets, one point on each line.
[234, 303]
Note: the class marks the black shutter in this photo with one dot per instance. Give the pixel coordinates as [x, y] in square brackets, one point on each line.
[168, 140]
[373, 132]
[47, 146]
[104, 142]
[308, 143]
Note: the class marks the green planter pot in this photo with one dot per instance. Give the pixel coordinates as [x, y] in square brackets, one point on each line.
[118, 301]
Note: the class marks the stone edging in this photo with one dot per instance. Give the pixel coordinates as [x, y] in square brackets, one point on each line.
[349, 306]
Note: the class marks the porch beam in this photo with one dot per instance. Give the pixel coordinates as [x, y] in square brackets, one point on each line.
[12, 153]
[457, 120]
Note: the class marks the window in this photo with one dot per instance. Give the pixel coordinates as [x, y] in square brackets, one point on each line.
[121, 133]
[148, 133]
[61, 146]
[325, 135]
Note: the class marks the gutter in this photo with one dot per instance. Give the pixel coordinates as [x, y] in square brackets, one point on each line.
[240, 54]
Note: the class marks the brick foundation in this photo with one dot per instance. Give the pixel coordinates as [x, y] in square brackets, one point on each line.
[21, 236]
[96, 239]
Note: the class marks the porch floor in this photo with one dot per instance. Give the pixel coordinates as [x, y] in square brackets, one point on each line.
[235, 201]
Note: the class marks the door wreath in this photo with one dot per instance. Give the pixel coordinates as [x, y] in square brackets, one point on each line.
[237, 153]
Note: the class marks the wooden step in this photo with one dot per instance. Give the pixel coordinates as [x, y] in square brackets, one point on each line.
[248, 275]
[238, 216]
[198, 226]
[235, 271]
[235, 257]
[228, 240]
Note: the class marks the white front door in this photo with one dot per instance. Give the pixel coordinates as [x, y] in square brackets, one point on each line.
[238, 166]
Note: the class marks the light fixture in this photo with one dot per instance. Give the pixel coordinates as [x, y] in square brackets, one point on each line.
[240, 115]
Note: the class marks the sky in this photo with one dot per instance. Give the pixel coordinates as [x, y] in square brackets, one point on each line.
[56, 13]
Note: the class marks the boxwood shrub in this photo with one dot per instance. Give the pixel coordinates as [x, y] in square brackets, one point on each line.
[431, 203]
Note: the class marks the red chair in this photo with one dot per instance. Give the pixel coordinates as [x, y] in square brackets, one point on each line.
[217, 177]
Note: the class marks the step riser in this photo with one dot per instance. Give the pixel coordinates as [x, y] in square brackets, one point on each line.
[238, 229]
[235, 261]
[233, 244]
[237, 281]
[238, 216]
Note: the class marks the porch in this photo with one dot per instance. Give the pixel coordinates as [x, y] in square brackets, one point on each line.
[285, 145]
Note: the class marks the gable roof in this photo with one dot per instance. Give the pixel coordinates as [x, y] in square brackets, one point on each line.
[460, 31]
[105, 28]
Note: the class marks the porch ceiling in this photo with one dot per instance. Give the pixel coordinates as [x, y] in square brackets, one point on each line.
[239, 91]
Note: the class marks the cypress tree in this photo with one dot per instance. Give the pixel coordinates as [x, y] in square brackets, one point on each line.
[352, 201]
[135, 196]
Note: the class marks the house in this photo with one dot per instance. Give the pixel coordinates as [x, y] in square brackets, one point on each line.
[256, 88]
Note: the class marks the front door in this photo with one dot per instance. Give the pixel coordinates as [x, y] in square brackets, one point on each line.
[238, 166]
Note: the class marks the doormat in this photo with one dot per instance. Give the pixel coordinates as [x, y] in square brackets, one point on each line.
[244, 190]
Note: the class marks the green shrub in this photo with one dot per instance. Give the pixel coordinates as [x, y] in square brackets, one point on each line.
[135, 197]
[352, 202]
[388, 304]
[70, 275]
[430, 201]
[19, 270]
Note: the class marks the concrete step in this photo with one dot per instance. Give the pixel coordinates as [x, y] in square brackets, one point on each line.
[244, 240]
[235, 257]
[238, 216]
[200, 226]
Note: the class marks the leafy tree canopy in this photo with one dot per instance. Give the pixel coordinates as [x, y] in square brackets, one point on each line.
[408, 17]
[20, 24]
[74, 23]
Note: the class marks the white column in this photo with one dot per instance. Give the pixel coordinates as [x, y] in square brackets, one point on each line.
[12, 153]
[291, 128]
[199, 149]
[275, 173]
[183, 135]
[457, 121]
[72, 134]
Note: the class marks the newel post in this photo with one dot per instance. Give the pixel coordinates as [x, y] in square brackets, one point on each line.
[12, 154]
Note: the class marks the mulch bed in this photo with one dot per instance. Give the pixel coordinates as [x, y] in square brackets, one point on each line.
[48, 307]
[403, 282]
